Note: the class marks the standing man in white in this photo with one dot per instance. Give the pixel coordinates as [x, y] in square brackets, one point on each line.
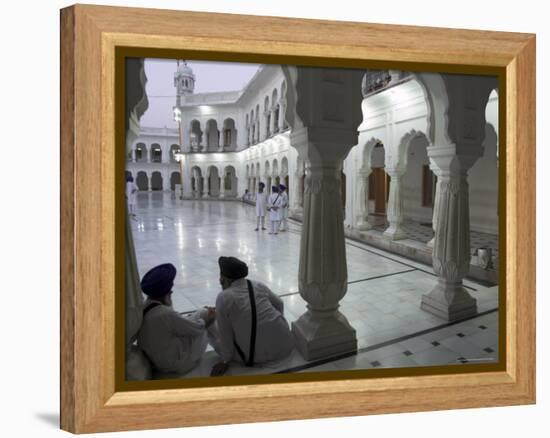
[131, 194]
[284, 211]
[275, 207]
[261, 203]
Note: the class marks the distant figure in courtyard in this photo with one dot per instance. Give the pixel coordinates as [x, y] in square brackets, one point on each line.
[246, 195]
[275, 208]
[250, 327]
[284, 211]
[173, 343]
[261, 202]
[131, 194]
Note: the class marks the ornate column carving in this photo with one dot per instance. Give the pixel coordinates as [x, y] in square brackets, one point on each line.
[361, 202]
[395, 205]
[324, 111]
[451, 251]
[323, 330]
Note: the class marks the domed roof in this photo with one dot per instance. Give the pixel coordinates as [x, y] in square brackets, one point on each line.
[185, 70]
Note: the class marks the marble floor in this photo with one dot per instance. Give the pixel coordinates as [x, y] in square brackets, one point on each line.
[382, 302]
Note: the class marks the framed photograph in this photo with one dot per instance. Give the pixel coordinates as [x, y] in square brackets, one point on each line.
[271, 218]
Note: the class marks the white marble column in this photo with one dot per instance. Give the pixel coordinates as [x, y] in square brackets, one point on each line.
[323, 330]
[451, 252]
[282, 109]
[222, 186]
[206, 187]
[395, 205]
[435, 170]
[361, 203]
[185, 178]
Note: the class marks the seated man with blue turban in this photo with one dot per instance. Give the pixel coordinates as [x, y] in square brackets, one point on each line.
[173, 343]
[250, 327]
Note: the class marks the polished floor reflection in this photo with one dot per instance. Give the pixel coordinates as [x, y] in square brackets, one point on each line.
[382, 302]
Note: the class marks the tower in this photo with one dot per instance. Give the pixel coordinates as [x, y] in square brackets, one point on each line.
[184, 81]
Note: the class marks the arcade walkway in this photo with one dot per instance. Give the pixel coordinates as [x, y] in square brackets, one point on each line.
[382, 302]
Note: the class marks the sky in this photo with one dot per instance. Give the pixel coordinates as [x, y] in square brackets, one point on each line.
[209, 77]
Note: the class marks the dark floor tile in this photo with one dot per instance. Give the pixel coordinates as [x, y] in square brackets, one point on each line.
[435, 343]
[375, 363]
[489, 350]
[407, 353]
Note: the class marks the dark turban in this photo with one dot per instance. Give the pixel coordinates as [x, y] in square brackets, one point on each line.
[282, 186]
[275, 189]
[158, 281]
[232, 267]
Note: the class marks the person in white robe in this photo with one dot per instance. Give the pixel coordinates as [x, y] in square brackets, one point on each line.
[131, 194]
[233, 336]
[173, 343]
[284, 212]
[261, 203]
[275, 208]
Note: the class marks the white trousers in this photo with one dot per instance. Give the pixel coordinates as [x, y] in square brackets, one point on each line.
[274, 227]
[260, 219]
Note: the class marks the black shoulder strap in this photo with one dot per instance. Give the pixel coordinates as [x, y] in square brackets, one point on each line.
[250, 361]
[149, 308]
[254, 324]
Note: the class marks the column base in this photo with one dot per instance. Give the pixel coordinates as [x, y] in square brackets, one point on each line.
[449, 301]
[395, 233]
[320, 337]
[430, 244]
[363, 224]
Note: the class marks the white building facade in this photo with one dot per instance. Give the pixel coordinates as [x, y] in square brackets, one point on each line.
[233, 140]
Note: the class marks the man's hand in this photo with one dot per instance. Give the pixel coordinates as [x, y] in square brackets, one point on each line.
[219, 369]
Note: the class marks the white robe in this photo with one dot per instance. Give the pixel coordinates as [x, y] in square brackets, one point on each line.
[173, 343]
[275, 200]
[234, 319]
[131, 192]
[261, 200]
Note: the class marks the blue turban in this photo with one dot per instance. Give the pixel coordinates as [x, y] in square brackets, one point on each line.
[275, 189]
[282, 186]
[232, 267]
[158, 281]
[129, 178]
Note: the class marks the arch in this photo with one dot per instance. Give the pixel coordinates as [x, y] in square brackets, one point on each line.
[142, 181]
[231, 180]
[284, 166]
[212, 135]
[213, 180]
[369, 145]
[174, 149]
[196, 181]
[156, 153]
[140, 153]
[275, 168]
[195, 134]
[156, 181]
[266, 168]
[282, 105]
[274, 98]
[405, 143]
[175, 178]
[229, 133]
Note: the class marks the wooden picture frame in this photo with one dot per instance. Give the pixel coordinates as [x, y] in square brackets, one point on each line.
[90, 37]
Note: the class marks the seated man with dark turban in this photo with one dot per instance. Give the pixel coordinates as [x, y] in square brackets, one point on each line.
[250, 326]
[173, 343]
